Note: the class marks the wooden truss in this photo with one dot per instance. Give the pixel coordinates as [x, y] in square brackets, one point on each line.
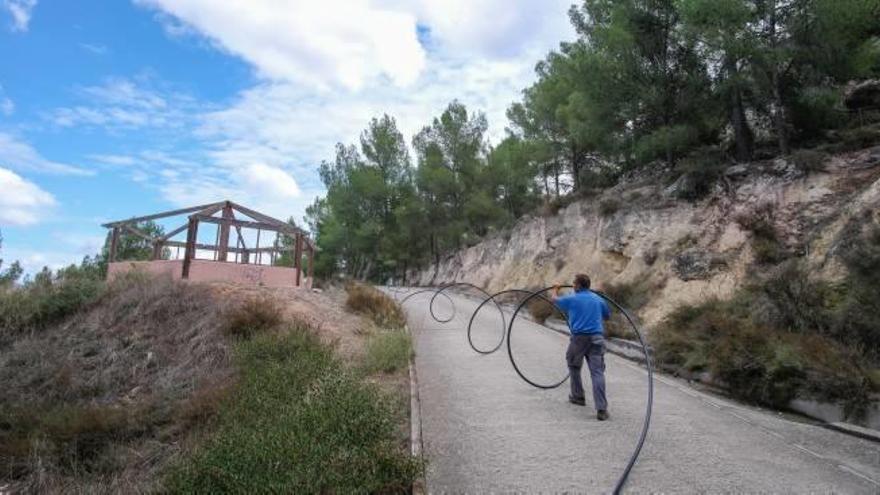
[221, 248]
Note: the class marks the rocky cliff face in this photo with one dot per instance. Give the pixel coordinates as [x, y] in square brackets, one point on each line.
[677, 251]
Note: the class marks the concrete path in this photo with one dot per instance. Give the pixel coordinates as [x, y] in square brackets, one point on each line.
[486, 430]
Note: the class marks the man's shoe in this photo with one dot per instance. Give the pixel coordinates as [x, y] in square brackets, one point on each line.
[602, 415]
[576, 401]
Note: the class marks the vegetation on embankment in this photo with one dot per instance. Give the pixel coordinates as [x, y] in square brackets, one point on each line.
[789, 334]
[147, 383]
[389, 346]
[97, 398]
[300, 422]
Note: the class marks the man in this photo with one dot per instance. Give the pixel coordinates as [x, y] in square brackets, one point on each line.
[586, 311]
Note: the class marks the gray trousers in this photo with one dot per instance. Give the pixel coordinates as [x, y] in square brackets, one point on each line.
[591, 348]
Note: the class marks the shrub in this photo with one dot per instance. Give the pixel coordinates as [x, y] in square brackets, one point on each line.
[765, 239]
[809, 161]
[699, 173]
[255, 315]
[769, 344]
[633, 297]
[376, 305]
[299, 423]
[388, 351]
[541, 309]
[609, 206]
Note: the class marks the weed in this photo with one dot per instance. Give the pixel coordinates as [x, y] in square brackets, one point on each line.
[375, 304]
[300, 423]
[388, 351]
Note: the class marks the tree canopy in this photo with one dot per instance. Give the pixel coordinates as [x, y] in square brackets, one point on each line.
[680, 84]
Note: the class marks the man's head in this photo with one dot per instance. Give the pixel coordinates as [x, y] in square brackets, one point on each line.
[581, 282]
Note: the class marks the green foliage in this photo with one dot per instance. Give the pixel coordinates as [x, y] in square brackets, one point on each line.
[299, 423]
[48, 298]
[686, 85]
[698, 174]
[132, 247]
[388, 351]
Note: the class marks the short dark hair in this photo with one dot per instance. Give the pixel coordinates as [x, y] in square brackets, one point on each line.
[581, 281]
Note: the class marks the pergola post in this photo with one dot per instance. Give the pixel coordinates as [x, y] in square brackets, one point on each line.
[190, 251]
[223, 241]
[297, 258]
[311, 266]
[114, 241]
[157, 250]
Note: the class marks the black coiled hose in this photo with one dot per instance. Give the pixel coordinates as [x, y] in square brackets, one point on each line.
[540, 294]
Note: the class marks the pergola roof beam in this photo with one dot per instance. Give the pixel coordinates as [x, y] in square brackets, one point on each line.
[120, 223]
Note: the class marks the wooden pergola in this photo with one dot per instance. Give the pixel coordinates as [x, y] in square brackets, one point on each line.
[221, 249]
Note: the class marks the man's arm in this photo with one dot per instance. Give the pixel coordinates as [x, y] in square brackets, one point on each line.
[561, 302]
[606, 311]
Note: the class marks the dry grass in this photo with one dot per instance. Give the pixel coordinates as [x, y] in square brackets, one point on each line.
[772, 342]
[376, 305]
[255, 315]
[99, 402]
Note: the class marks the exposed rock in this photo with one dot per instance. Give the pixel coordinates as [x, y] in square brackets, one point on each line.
[697, 247]
[865, 94]
[696, 265]
[737, 171]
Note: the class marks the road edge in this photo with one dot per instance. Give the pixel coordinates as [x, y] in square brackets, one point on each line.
[415, 421]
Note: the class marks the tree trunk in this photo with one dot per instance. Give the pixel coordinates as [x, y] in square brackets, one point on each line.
[737, 114]
[556, 176]
[776, 82]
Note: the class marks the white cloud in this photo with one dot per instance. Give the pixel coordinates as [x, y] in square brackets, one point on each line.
[95, 48]
[111, 159]
[121, 104]
[493, 28]
[331, 42]
[21, 12]
[19, 155]
[271, 180]
[22, 202]
[328, 68]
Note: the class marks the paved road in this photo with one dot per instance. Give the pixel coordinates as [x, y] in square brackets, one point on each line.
[486, 430]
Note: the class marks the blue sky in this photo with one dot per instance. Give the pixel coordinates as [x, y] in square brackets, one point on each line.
[115, 109]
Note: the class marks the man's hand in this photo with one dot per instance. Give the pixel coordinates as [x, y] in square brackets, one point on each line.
[556, 291]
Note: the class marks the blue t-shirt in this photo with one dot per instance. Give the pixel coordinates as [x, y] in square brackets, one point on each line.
[585, 310]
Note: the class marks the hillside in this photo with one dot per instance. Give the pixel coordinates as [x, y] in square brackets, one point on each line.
[681, 252]
[146, 384]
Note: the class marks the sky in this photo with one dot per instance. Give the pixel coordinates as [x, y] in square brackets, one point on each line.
[115, 109]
